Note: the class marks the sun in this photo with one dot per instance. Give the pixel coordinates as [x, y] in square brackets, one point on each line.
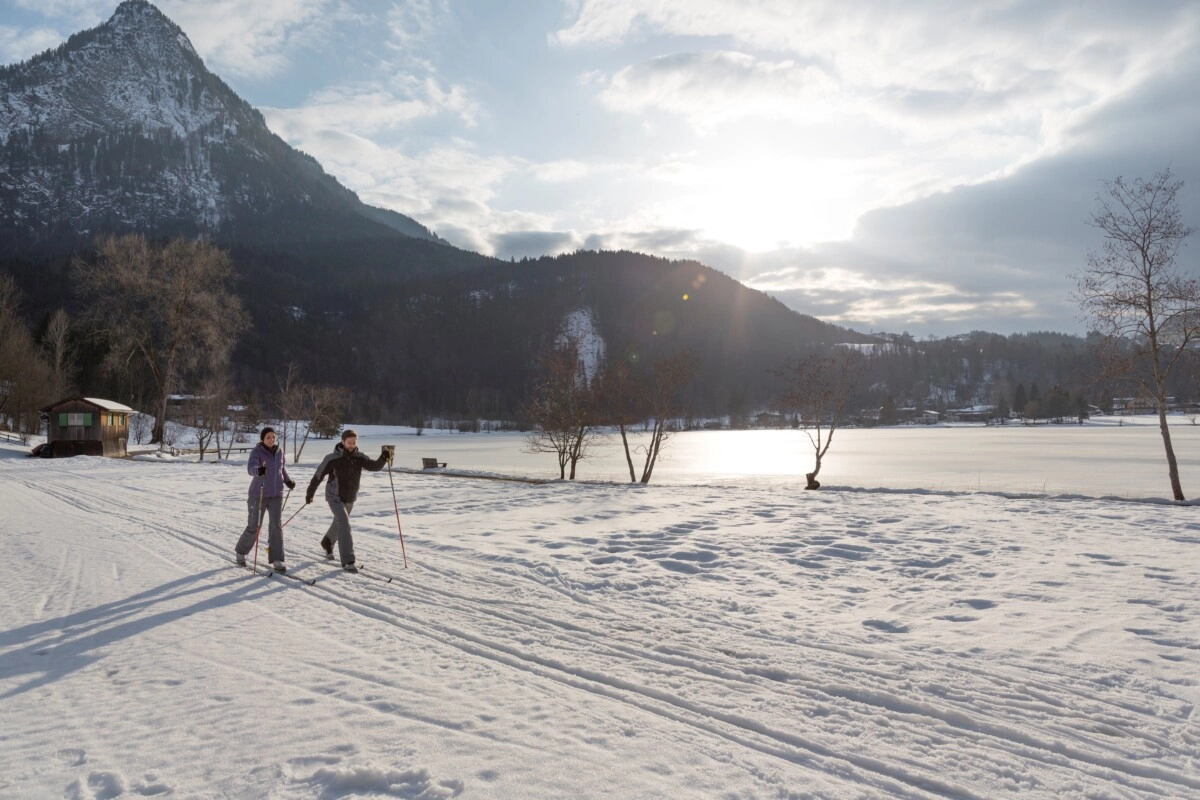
[761, 202]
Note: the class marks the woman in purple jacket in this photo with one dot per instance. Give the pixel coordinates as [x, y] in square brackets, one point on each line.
[265, 497]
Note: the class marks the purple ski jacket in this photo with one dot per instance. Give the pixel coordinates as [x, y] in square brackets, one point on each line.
[272, 482]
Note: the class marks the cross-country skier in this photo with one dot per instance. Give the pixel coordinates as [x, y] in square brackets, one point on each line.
[266, 465]
[331, 494]
[344, 465]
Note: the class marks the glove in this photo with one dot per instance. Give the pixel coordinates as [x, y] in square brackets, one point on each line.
[290, 484]
[308, 497]
[262, 469]
[389, 450]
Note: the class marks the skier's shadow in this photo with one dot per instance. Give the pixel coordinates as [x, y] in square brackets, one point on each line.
[52, 648]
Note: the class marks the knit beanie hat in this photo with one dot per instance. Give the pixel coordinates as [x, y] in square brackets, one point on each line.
[262, 435]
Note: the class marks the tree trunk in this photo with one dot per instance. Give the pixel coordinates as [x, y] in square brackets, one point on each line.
[160, 422]
[810, 478]
[156, 433]
[652, 449]
[1172, 464]
[628, 457]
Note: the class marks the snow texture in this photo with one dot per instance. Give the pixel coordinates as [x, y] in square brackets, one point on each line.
[591, 640]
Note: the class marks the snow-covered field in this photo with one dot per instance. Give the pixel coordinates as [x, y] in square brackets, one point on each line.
[593, 640]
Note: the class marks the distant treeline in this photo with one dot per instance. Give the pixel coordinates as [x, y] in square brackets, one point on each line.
[452, 334]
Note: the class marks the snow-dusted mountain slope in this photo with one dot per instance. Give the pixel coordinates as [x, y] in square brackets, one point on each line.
[123, 128]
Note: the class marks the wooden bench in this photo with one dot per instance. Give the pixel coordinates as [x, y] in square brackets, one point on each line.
[431, 463]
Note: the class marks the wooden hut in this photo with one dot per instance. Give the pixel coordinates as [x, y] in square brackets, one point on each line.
[87, 426]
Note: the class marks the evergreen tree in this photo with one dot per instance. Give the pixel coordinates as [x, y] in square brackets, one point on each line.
[887, 413]
[1033, 408]
[1002, 409]
[1106, 401]
[1020, 399]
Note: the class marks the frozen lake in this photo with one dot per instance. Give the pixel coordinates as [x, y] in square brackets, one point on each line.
[1109, 456]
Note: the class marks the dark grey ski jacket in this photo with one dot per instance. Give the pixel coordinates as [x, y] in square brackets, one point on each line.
[331, 486]
[343, 466]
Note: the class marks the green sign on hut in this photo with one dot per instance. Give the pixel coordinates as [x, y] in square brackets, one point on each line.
[87, 426]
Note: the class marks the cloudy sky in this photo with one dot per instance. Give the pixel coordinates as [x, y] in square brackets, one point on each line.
[925, 166]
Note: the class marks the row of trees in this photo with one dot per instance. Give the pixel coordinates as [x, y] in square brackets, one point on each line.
[33, 373]
[159, 318]
[572, 405]
[303, 410]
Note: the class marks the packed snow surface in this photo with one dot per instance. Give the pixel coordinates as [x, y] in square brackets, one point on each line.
[592, 640]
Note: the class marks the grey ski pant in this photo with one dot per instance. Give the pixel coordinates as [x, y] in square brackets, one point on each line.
[339, 531]
[273, 508]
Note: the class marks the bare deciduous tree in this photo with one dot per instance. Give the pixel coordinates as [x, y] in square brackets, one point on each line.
[243, 417]
[1134, 295]
[211, 412]
[294, 410]
[307, 410]
[562, 409]
[622, 401]
[58, 351]
[668, 377]
[326, 403]
[630, 393]
[139, 426]
[169, 305]
[819, 387]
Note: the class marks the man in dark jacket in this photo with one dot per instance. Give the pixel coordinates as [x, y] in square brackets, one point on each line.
[331, 494]
[345, 467]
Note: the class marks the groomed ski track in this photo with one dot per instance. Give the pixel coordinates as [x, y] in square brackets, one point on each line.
[777, 706]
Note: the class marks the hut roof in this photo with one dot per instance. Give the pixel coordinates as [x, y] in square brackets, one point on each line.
[105, 405]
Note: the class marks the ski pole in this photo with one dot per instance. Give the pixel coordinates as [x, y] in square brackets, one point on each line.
[293, 516]
[261, 485]
[285, 499]
[397, 507]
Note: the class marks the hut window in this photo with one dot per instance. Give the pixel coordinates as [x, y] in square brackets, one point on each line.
[65, 420]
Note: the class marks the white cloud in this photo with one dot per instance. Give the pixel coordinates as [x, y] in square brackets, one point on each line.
[446, 187]
[254, 40]
[560, 171]
[413, 22]
[711, 87]
[19, 44]
[379, 107]
[927, 68]
[87, 12]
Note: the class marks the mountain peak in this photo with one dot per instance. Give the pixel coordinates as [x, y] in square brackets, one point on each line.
[138, 68]
[143, 17]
